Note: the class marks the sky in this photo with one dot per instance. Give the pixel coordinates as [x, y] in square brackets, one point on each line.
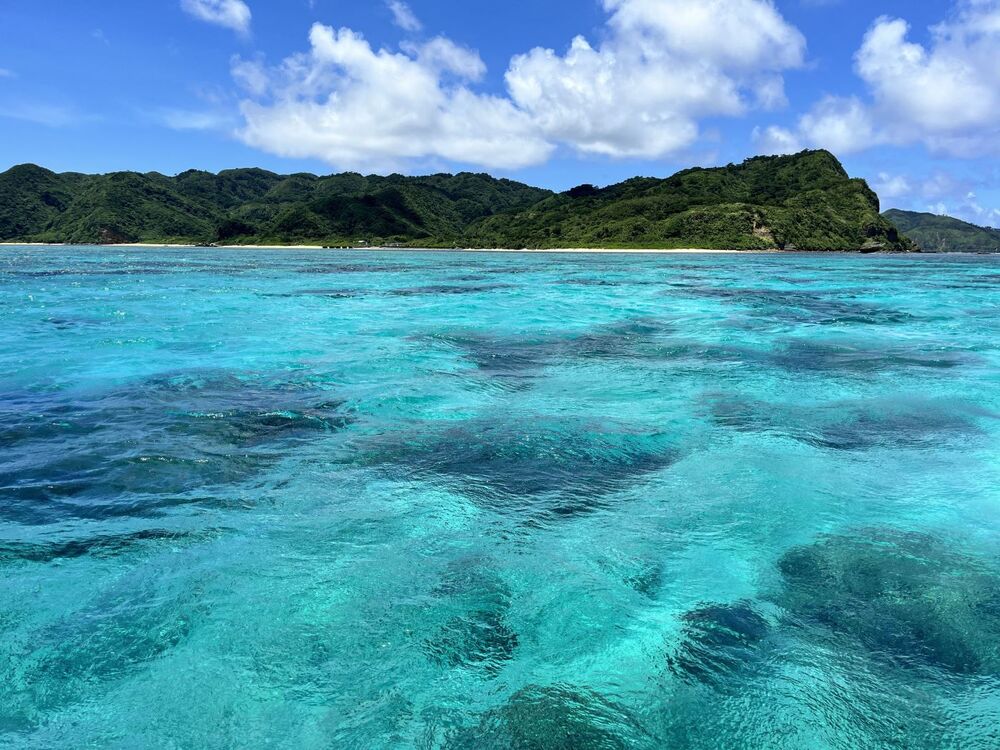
[551, 92]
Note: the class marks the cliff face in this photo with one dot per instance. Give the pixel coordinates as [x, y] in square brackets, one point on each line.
[803, 202]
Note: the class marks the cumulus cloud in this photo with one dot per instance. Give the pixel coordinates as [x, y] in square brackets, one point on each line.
[841, 125]
[231, 14]
[728, 33]
[359, 108]
[403, 16]
[663, 65]
[774, 140]
[441, 55]
[944, 95]
[950, 90]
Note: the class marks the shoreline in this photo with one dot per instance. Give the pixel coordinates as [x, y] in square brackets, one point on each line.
[376, 248]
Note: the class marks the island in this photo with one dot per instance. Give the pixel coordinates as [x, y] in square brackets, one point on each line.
[804, 202]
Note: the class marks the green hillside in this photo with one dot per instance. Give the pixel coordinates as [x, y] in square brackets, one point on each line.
[943, 234]
[805, 202]
[250, 206]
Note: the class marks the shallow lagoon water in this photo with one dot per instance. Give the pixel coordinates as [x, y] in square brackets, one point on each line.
[299, 499]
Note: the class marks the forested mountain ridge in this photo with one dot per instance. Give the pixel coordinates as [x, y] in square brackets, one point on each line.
[806, 202]
[250, 206]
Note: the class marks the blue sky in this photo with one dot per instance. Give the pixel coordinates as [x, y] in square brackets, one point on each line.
[554, 93]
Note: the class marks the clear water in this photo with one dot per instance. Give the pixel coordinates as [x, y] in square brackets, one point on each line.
[338, 500]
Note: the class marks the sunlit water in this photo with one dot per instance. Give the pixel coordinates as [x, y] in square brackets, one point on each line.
[361, 500]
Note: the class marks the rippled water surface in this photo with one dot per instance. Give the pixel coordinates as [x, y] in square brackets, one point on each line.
[360, 500]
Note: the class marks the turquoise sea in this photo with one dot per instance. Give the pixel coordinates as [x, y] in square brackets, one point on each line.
[302, 499]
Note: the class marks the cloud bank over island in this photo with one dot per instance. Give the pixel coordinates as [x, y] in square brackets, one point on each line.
[661, 68]
[944, 95]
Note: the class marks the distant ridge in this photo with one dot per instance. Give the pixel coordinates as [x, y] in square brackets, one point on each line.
[944, 234]
[802, 202]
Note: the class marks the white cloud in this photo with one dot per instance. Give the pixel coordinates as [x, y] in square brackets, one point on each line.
[662, 67]
[769, 92]
[842, 125]
[232, 14]
[947, 92]
[358, 108]
[403, 16]
[4, 73]
[776, 141]
[942, 184]
[729, 34]
[892, 186]
[251, 75]
[944, 95]
[444, 56]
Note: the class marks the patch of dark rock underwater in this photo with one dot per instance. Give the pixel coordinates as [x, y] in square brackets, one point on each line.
[433, 290]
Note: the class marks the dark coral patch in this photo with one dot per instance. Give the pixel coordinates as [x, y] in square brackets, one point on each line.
[852, 358]
[717, 640]
[557, 717]
[164, 440]
[804, 307]
[448, 289]
[908, 598]
[850, 426]
[543, 468]
[478, 640]
[477, 635]
[101, 545]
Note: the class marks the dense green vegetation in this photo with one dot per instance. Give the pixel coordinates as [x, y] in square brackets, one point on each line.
[943, 234]
[249, 206]
[805, 202]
